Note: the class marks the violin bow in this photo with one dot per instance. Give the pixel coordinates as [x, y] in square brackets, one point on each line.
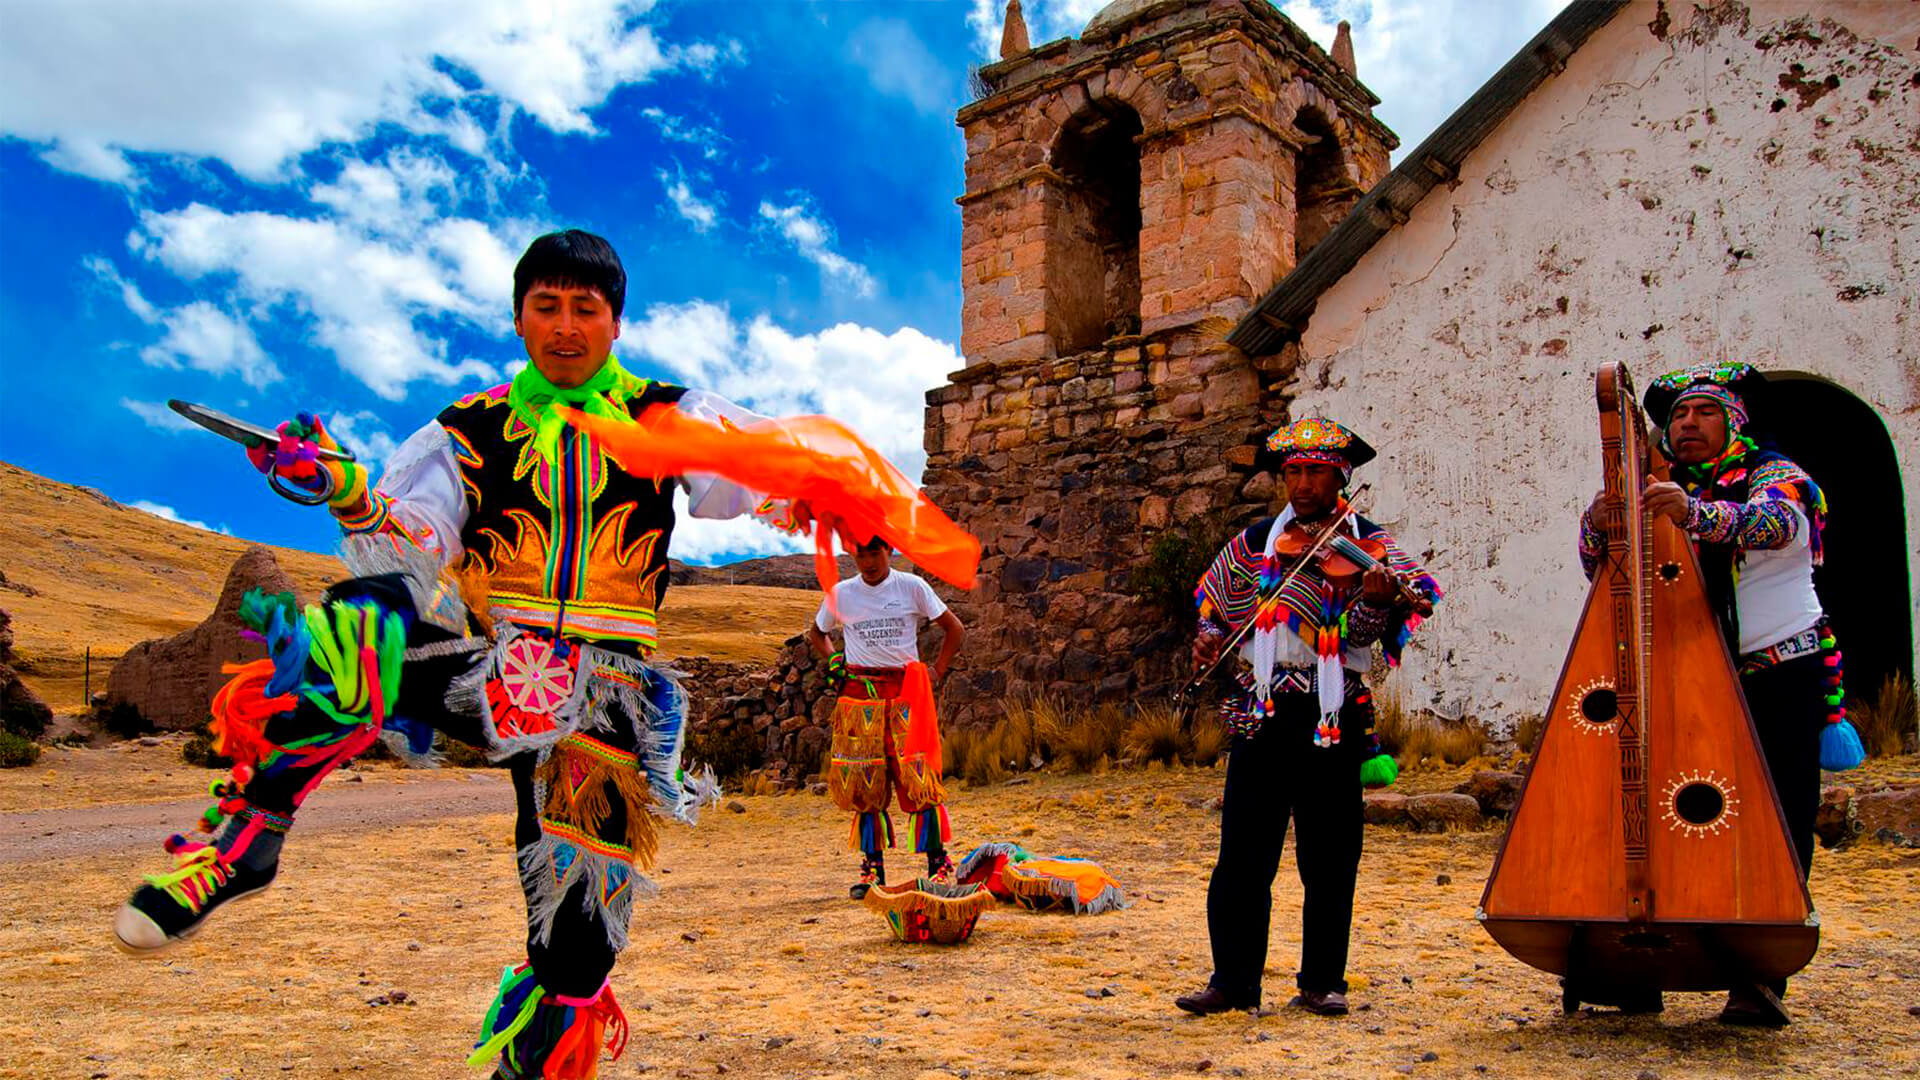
[1226, 649]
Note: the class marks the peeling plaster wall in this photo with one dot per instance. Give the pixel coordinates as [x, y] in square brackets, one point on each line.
[1742, 180]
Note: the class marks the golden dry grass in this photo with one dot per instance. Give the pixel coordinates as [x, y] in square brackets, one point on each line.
[1886, 721]
[280, 986]
[1416, 740]
[104, 576]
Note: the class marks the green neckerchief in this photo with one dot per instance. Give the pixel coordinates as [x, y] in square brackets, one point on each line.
[533, 398]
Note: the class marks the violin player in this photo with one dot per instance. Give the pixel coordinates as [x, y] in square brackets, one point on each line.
[1307, 617]
[1756, 520]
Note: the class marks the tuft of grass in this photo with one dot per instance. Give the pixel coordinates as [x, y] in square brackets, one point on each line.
[1527, 735]
[1413, 740]
[459, 755]
[956, 745]
[1207, 740]
[17, 751]
[1008, 746]
[1084, 741]
[1156, 734]
[198, 751]
[1885, 724]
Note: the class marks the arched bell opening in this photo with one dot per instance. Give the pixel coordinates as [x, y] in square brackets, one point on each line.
[1863, 586]
[1322, 190]
[1093, 230]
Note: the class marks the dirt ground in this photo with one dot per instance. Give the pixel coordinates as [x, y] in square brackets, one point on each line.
[753, 963]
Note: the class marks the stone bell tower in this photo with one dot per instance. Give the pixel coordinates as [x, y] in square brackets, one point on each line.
[1129, 194]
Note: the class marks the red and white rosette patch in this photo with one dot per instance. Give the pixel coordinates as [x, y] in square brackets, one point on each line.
[533, 687]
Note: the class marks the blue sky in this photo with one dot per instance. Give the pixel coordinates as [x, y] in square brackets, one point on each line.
[269, 207]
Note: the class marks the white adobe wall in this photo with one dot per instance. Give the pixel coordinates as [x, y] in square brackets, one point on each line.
[1647, 204]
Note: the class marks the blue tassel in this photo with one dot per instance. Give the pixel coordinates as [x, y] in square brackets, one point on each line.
[1840, 747]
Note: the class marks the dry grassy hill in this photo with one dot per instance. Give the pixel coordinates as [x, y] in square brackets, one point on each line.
[84, 571]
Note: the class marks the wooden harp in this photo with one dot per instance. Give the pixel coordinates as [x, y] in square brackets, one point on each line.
[1648, 850]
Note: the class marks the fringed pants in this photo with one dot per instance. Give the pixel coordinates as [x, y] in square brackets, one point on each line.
[867, 769]
[583, 800]
[1276, 774]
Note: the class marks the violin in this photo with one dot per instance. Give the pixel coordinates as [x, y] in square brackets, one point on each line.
[1305, 547]
[1344, 558]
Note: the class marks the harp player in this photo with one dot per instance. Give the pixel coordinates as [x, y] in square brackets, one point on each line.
[1755, 519]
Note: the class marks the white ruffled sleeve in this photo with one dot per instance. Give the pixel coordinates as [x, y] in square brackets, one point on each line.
[710, 496]
[420, 495]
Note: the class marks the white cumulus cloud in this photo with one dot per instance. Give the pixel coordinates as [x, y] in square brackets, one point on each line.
[196, 335]
[874, 382]
[900, 64]
[258, 85]
[203, 337]
[158, 417]
[696, 211]
[705, 541]
[369, 294]
[170, 514]
[813, 239]
[363, 433]
[705, 137]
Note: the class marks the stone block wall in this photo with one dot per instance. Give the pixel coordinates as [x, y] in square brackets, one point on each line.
[785, 706]
[1067, 470]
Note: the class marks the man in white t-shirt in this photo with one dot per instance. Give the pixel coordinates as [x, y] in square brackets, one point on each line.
[884, 744]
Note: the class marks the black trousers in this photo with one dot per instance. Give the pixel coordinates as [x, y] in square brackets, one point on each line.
[1276, 775]
[1789, 705]
[577, 958]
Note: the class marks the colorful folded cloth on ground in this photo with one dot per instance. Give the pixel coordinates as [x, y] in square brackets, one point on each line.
[930, 912]
[1038, 883]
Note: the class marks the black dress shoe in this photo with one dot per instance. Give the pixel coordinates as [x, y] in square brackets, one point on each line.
[1322, 1002]
[1754, 1006]
[1214, 1000]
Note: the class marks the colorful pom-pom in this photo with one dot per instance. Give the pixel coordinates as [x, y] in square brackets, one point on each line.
[1379, 771]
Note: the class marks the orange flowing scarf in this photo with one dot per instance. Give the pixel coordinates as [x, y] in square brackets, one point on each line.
[923, 726]
[847, 484]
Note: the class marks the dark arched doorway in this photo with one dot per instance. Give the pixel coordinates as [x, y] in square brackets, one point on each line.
[1863, 586]
[1093, 230]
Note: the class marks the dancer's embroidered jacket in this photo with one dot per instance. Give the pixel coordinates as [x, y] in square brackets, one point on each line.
[575, 541]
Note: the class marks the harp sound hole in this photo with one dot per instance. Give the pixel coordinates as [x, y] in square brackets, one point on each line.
[1698, 803]
[1670, 571]
[1600, 706]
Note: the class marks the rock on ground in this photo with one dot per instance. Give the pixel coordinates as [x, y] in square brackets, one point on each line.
[171, 680]
[1895, 809]
[1444, 812]
[1497, 792]
[1385, 808]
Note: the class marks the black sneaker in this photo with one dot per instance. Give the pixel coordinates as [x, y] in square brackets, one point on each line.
[172, 906]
